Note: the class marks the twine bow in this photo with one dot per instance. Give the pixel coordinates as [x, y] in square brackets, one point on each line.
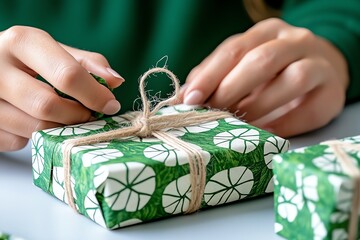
[350, 168]
[145, 124]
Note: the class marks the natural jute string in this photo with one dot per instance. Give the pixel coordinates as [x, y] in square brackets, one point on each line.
[350, 168]
[145, 124]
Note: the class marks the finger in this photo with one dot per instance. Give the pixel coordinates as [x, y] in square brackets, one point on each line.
[97, 64]
[197, 69]
[184, 87]
[182, 92]
[37, 50]
[225, 57]
[315, 111]
[39, 100]
[258, 66]
[11, 142]
[19, 123]
[296, 80]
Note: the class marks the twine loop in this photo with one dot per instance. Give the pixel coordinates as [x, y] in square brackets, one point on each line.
[147, 123]
[142, 122]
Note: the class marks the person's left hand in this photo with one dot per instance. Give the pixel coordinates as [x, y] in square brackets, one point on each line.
[276, 76]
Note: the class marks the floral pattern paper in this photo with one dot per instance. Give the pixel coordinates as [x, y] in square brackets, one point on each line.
[133, 180]
[312, 194]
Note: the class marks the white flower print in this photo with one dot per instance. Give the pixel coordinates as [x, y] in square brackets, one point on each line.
[229, 185]
[76, 129]
[242, 140]
[129, 186]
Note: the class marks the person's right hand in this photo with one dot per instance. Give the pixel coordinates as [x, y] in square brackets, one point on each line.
[28, 105]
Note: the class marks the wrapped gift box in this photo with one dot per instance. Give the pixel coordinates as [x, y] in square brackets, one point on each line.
[132, 180]
[313, 192]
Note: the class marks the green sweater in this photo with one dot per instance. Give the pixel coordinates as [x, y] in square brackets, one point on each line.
[134, 35]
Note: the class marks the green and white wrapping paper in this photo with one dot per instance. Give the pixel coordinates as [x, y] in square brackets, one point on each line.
[133, 180]
[6, 236]
[313, 195]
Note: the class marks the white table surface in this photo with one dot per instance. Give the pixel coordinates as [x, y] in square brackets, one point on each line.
[28, 212]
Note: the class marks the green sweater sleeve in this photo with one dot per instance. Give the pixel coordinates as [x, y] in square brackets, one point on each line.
[336, 21]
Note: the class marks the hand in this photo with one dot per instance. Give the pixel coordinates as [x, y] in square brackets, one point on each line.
[28, 105]
[278, 77]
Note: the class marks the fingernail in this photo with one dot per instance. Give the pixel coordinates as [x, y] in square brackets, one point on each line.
[115, 74]
[194, 97]
[111, 107]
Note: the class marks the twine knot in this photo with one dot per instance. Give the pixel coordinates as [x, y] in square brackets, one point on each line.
[142, 122]
[147, 123]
